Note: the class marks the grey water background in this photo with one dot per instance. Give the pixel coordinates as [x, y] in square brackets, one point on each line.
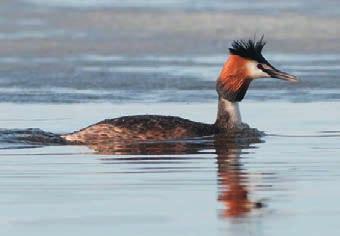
[67, 64]
[161, 51]
[109, 78]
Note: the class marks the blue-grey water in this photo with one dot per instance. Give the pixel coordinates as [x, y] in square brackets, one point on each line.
[192, 188]
[115, 78]
[263, 6]
[67, 64]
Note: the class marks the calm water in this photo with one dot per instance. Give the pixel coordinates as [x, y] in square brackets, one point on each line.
[59, 73]
[197, 187]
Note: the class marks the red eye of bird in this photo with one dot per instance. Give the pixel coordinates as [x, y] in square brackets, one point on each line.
[260, 66]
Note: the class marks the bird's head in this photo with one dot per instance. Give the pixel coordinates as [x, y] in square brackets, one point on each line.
[246, 63]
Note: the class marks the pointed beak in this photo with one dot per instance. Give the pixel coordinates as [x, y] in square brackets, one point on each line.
[275, 73]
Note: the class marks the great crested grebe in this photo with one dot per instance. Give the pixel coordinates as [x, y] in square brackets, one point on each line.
[244, 64]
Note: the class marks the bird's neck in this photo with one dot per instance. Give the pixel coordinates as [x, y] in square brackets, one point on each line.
[228, 114]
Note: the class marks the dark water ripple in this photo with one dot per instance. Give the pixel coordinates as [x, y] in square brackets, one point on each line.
[98, 78]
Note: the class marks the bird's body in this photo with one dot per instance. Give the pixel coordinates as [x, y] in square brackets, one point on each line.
[244, 65]
[159, 128]
[141, 128]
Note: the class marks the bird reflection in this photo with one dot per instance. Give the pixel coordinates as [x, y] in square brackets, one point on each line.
[232, 178]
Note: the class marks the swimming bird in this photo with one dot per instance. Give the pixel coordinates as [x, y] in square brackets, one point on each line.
[244, 64]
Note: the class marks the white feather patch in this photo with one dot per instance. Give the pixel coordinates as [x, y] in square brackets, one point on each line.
[254, 72]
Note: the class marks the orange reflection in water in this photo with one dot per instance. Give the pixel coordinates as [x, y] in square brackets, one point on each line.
[233, 191]
[232, 179]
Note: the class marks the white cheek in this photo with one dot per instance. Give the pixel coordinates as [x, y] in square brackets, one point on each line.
[255, 72]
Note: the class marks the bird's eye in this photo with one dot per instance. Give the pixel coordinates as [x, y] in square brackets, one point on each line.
[260, 66]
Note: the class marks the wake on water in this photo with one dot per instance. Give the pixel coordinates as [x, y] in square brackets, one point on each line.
[30, 136]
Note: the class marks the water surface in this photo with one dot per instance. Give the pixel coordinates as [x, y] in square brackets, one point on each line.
[205, 186]
[67, 64]
[154, 78]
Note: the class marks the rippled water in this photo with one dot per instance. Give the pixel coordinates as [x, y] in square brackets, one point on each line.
[114, 78]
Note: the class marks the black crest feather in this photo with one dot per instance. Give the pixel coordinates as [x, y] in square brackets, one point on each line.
[250, 49]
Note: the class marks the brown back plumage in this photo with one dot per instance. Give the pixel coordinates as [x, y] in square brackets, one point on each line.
[139, 128]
